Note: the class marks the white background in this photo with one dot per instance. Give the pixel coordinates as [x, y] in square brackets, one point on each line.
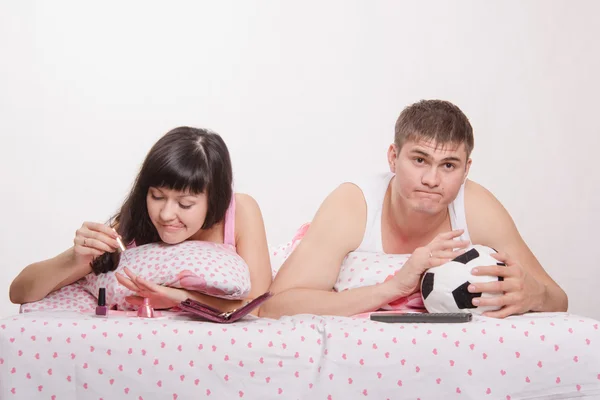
[305, 94]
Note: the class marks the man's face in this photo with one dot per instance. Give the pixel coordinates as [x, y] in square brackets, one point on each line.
[428, 176]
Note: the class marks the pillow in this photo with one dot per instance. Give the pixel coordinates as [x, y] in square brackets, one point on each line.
[206, 267]
[72, 297]
[366, 269]
[278, 254]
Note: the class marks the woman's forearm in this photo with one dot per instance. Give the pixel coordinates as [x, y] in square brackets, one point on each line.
[39, 279]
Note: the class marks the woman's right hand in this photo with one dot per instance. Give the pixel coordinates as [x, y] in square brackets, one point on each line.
[440, 250]
[92, 240]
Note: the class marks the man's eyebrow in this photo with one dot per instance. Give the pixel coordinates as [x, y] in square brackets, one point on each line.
[426, 155]
[452, 158]
[421, 152]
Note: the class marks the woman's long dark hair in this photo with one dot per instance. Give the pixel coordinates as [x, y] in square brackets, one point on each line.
[184, 159]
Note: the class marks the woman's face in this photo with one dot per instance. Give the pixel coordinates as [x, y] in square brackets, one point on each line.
[176, 215]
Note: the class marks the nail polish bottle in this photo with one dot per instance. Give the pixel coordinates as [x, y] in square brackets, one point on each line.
[101, 308]
[145, 310]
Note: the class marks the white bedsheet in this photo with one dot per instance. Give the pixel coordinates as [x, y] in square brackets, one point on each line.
[71, 355]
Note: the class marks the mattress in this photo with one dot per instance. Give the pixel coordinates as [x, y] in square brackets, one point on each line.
[75, 355]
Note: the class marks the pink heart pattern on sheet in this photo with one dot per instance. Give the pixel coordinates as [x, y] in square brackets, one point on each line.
[305, 355]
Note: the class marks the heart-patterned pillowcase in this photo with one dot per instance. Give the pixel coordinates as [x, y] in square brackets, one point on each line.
[206, 267]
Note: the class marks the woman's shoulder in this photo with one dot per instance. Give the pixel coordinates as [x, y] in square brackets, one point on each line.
[247, 213]
[244, 201]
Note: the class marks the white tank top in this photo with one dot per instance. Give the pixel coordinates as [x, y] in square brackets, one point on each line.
[374, 189]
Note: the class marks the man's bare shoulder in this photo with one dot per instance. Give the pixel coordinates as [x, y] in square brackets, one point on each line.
[336, 229]
[343, 213]
[348, 193]
[475, 191]
[478, 198]
[482, 208]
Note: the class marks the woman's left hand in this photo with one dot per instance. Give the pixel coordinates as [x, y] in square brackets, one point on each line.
[161, 297]
[521, 291]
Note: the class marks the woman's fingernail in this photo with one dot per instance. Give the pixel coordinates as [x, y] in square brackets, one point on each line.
[471, 288]
[474, 271]
[476, 302]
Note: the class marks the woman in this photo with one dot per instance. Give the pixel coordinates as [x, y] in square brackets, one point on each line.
[182, 192]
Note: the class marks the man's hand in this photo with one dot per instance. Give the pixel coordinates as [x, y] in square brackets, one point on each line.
[442, 249]
[521, 291]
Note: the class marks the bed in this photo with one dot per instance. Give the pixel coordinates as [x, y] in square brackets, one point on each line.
[72, 354]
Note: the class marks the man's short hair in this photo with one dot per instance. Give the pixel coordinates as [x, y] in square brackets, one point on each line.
[437, 120]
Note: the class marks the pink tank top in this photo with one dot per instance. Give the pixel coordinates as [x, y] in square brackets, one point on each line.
[229, 234]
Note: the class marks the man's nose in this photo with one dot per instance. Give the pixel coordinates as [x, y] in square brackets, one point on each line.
[431, 177]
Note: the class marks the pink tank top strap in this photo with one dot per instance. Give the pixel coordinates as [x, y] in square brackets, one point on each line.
[230, 223]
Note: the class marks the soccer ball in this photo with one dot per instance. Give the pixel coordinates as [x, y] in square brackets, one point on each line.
[444, 288]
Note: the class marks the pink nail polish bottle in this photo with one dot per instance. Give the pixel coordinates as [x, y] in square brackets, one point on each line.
[101, 308]
[146, 311]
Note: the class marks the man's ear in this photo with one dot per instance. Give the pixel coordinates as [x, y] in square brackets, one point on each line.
[467, 169]
[392, 156]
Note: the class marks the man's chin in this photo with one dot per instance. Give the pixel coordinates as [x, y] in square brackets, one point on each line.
[428, 208]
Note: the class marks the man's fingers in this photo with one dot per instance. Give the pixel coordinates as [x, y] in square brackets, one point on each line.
[489, 287]
[450, 245]
[447, 254]
[496, 301]
[502, 313]
[450, 235]
[503, 258]
[494, 270]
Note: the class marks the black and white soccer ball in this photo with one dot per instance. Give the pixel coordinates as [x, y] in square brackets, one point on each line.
[444, 288]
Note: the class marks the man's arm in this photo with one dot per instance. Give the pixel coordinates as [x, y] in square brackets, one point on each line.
[491, 225]
[304, 284]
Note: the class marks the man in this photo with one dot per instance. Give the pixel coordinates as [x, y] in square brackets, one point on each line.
[425, 207]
